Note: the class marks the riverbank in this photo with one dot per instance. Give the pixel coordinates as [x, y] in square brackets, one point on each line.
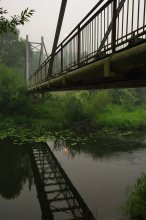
[21, 134]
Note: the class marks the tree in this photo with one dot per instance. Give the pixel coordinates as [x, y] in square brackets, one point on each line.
[9, 25]
[12, 52]
[12, 88]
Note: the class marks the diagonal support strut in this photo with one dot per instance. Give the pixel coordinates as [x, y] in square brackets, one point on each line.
[57, 34]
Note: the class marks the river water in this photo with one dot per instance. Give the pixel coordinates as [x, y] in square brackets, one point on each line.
[100, 169]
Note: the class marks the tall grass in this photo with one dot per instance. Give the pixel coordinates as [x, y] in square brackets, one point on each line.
[135, 205]
[118, 117]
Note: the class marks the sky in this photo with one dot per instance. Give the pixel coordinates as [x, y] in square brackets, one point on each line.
[44, 21]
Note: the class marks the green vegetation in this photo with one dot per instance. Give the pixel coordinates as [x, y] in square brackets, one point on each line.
[9, 25]
[135, 206]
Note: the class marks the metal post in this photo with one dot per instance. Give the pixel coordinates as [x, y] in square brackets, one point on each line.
[45, 48]
[79, 47]
[57, 34]
[114, 25]
[41, 52]
[61, 58]
[27, 60]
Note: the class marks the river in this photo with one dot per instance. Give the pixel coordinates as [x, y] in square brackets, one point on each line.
[100, 169]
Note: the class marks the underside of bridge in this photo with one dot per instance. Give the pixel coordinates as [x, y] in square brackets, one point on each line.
[120, 70]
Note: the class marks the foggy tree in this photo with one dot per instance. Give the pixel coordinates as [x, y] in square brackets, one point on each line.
[12, 52]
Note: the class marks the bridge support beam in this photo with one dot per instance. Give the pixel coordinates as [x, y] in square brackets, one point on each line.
[57, 34]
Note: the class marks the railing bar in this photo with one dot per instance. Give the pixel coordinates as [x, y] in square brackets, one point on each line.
[144, 12]
[89, 42]
[86, 39]
[122, 20]
[107, 20]
[104, 21]
[97, 31]
[74, 48]
[70, 51]
[118, 22]
[95, 39]
[89, 37]
[138, 10]
[132, 16]
[127, 17]
[82, 44]
[92, 36]
[91, 47]
[101, 28]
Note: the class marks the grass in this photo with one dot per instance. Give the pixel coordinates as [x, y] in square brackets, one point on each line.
[135, 205]
[120, 118]
[70, 111]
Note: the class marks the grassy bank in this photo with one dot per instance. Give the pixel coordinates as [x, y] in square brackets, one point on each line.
[68, 111]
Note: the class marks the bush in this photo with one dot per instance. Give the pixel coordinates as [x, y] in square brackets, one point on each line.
[135, 206]
[11, 87]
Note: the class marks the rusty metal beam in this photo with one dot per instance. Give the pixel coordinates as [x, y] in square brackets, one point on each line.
[57, 34]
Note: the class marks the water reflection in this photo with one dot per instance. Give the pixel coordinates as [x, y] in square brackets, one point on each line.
[14, 170]
[59, 199]
[104, 147]
[99, 170]
[18, 197]
[102, 170]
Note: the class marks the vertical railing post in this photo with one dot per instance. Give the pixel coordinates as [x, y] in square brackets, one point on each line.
[27, 61]
[41, 58]
[61, 58]
[114, 25]
[78, 47]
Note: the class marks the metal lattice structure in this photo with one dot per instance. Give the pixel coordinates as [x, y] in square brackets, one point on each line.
[58, 198]
[110, 27]
[36, 54]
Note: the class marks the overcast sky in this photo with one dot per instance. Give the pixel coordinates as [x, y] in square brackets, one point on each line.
[43, 22]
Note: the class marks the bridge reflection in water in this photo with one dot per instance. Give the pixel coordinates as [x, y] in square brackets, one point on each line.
[59, 199]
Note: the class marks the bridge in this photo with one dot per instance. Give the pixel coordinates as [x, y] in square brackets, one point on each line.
[107, 49]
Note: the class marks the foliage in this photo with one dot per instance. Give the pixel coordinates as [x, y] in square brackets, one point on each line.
[118, 117]
[135, 206]
[12, 52]
[73, 109]
[9, 25]
[12, 88]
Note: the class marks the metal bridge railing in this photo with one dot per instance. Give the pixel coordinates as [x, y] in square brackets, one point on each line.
[111, 26]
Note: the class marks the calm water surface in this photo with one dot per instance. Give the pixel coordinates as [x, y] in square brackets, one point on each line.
[18, 196]
[100, 170]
